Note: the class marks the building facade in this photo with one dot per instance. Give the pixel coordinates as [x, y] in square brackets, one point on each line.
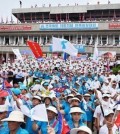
[84, 25]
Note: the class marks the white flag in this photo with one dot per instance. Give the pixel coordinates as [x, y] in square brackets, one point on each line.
[18, 54]
[25, 110]
[64, 46]
[38, 113]
[95, 54]
[25, 82]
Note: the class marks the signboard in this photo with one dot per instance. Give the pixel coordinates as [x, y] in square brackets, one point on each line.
[114, 26]
[69, 26]
[15, 28]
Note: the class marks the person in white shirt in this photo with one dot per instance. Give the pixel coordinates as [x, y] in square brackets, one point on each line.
[95, 83]
[109, 127]
[113, 89]
[118, 78]
[113, 77]
[99, 111]
[109, 80]
[105, 87]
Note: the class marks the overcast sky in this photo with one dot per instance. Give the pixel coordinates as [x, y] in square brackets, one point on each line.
[6, 6]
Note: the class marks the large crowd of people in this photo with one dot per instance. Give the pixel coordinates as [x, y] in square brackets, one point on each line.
[83, 93]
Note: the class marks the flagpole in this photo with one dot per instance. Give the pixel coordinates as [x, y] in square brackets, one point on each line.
[70, 61]
[95, 54]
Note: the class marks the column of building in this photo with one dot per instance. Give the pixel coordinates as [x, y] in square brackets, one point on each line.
[40, 40]
[22, 42]
[91, 40]
[113, 40]
[4, 41]
[101, 42]
[107, 40]
[77, 39]
[37, 40]
[18, 41]
[119, 40]
[46, 40]
[0, 41]
[81, 40]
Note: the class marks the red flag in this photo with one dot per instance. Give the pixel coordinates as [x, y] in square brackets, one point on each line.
[117, 122]
[7, 85]
[65, 127]
[35, 47]
[3, 93]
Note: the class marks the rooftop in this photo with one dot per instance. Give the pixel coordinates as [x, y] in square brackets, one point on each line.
[66, 9]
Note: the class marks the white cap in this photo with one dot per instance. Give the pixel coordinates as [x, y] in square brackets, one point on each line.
[36, 97]
[82, 128]
[75, 98]
[108, 111]
[78, 94]
[105, 95]
[13, 115]
[47, 97]
[77, 82]
[76, 110]
[87, 95]
[70, 95]
[3, 108]
[106, 81]
[53, 109]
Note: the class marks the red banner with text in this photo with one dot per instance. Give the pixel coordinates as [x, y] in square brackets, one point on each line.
[36, 49]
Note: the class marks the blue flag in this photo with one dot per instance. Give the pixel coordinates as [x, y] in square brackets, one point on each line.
[65, 56]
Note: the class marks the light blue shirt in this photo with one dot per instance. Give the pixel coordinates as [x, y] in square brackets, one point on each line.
[71, 124]
[21, 131]
[4, 128]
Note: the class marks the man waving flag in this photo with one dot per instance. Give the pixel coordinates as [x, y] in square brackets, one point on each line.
[62, 45]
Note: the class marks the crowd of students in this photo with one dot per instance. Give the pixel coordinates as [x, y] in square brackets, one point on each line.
[83, 93]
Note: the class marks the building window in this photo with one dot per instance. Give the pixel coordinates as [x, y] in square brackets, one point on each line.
[104, 40]
[25, 40]
[7, 41]
[35, 39]
[117, 40]
[16, 41]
